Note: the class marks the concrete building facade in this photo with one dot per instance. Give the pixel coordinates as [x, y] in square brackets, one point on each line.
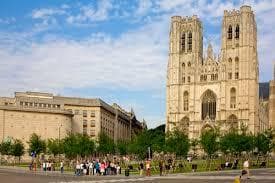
[55, 116]
[204, 91]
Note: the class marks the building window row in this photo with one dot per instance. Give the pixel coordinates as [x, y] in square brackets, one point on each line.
[231, 77]
[84, 112]
[183, 42]
[214, 77]
[40, 105]
[188, 64]
[188, 79]
[203, 77]
[230, 32]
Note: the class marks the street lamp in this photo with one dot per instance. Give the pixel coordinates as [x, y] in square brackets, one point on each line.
[59, 141]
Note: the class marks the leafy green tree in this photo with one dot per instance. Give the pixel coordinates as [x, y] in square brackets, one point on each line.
[229, 142]
[177, 142]
[194, 145]
[263, 142]
[36, 144]
[18, 149]
[235, 143]
[6, 147]
[54, 146]
[156, 138]
[70, 146]
[78, 145]
[140, 144]
[86, 145]
[122, 147]
[106, 145]
[209, 142]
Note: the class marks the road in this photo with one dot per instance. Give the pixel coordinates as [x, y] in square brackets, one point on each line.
[22, 176]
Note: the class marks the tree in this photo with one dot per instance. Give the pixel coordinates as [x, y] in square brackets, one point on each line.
[6, 147]
[70, 145]
[263, 142]
[18, 149]
[78, 145]
[36, 144]
[139, 145]
[229, 142]
[86, 146]
[194, 145]
[105, 144]
[209, 142]
[122, 147]
[177, 142]
[54, 146]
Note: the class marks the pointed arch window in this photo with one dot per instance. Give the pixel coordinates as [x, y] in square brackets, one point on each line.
[229, 32]
[237, 63]
[185, 101]
[183, 42]
[233, 98]
[237, 31]
[208, 106]
[190, 41]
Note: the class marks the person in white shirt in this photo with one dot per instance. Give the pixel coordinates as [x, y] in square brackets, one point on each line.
[246, 166]
[61, 167]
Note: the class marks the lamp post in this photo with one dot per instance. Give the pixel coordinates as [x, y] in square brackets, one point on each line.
[59, 141]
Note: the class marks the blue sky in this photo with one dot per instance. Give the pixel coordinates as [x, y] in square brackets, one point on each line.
[116, 50]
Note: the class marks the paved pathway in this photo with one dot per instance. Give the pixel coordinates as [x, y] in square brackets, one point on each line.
[10, 175]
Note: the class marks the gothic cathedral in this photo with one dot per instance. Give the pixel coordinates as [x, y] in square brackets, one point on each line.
[205, 91]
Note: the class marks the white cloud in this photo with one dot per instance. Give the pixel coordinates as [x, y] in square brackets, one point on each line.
[7, 20]
[133, 61]
[91, 13]
[143, 7]
[46, 13]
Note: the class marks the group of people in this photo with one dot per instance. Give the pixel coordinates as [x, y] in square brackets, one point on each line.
[163, 167]
[48, 166]
[97, 167]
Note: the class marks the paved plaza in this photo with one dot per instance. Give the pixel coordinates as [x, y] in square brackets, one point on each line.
[15, 175]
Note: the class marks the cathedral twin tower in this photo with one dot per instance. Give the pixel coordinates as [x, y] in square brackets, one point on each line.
[205, 92]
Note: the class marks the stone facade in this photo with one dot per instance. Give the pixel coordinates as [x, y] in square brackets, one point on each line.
[272, 100]
[55, 116]
[204, 91]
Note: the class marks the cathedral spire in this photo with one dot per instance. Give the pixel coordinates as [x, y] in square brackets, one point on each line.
[210, 51]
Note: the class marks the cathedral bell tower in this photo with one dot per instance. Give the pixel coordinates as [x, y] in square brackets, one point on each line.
[185, 55]
[239, 54]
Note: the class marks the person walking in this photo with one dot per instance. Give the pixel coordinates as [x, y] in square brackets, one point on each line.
[148, 168]
[141, 168]
[61, 167]
[246, 167]
[160, 168]
[102, 168]
[78, 168]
